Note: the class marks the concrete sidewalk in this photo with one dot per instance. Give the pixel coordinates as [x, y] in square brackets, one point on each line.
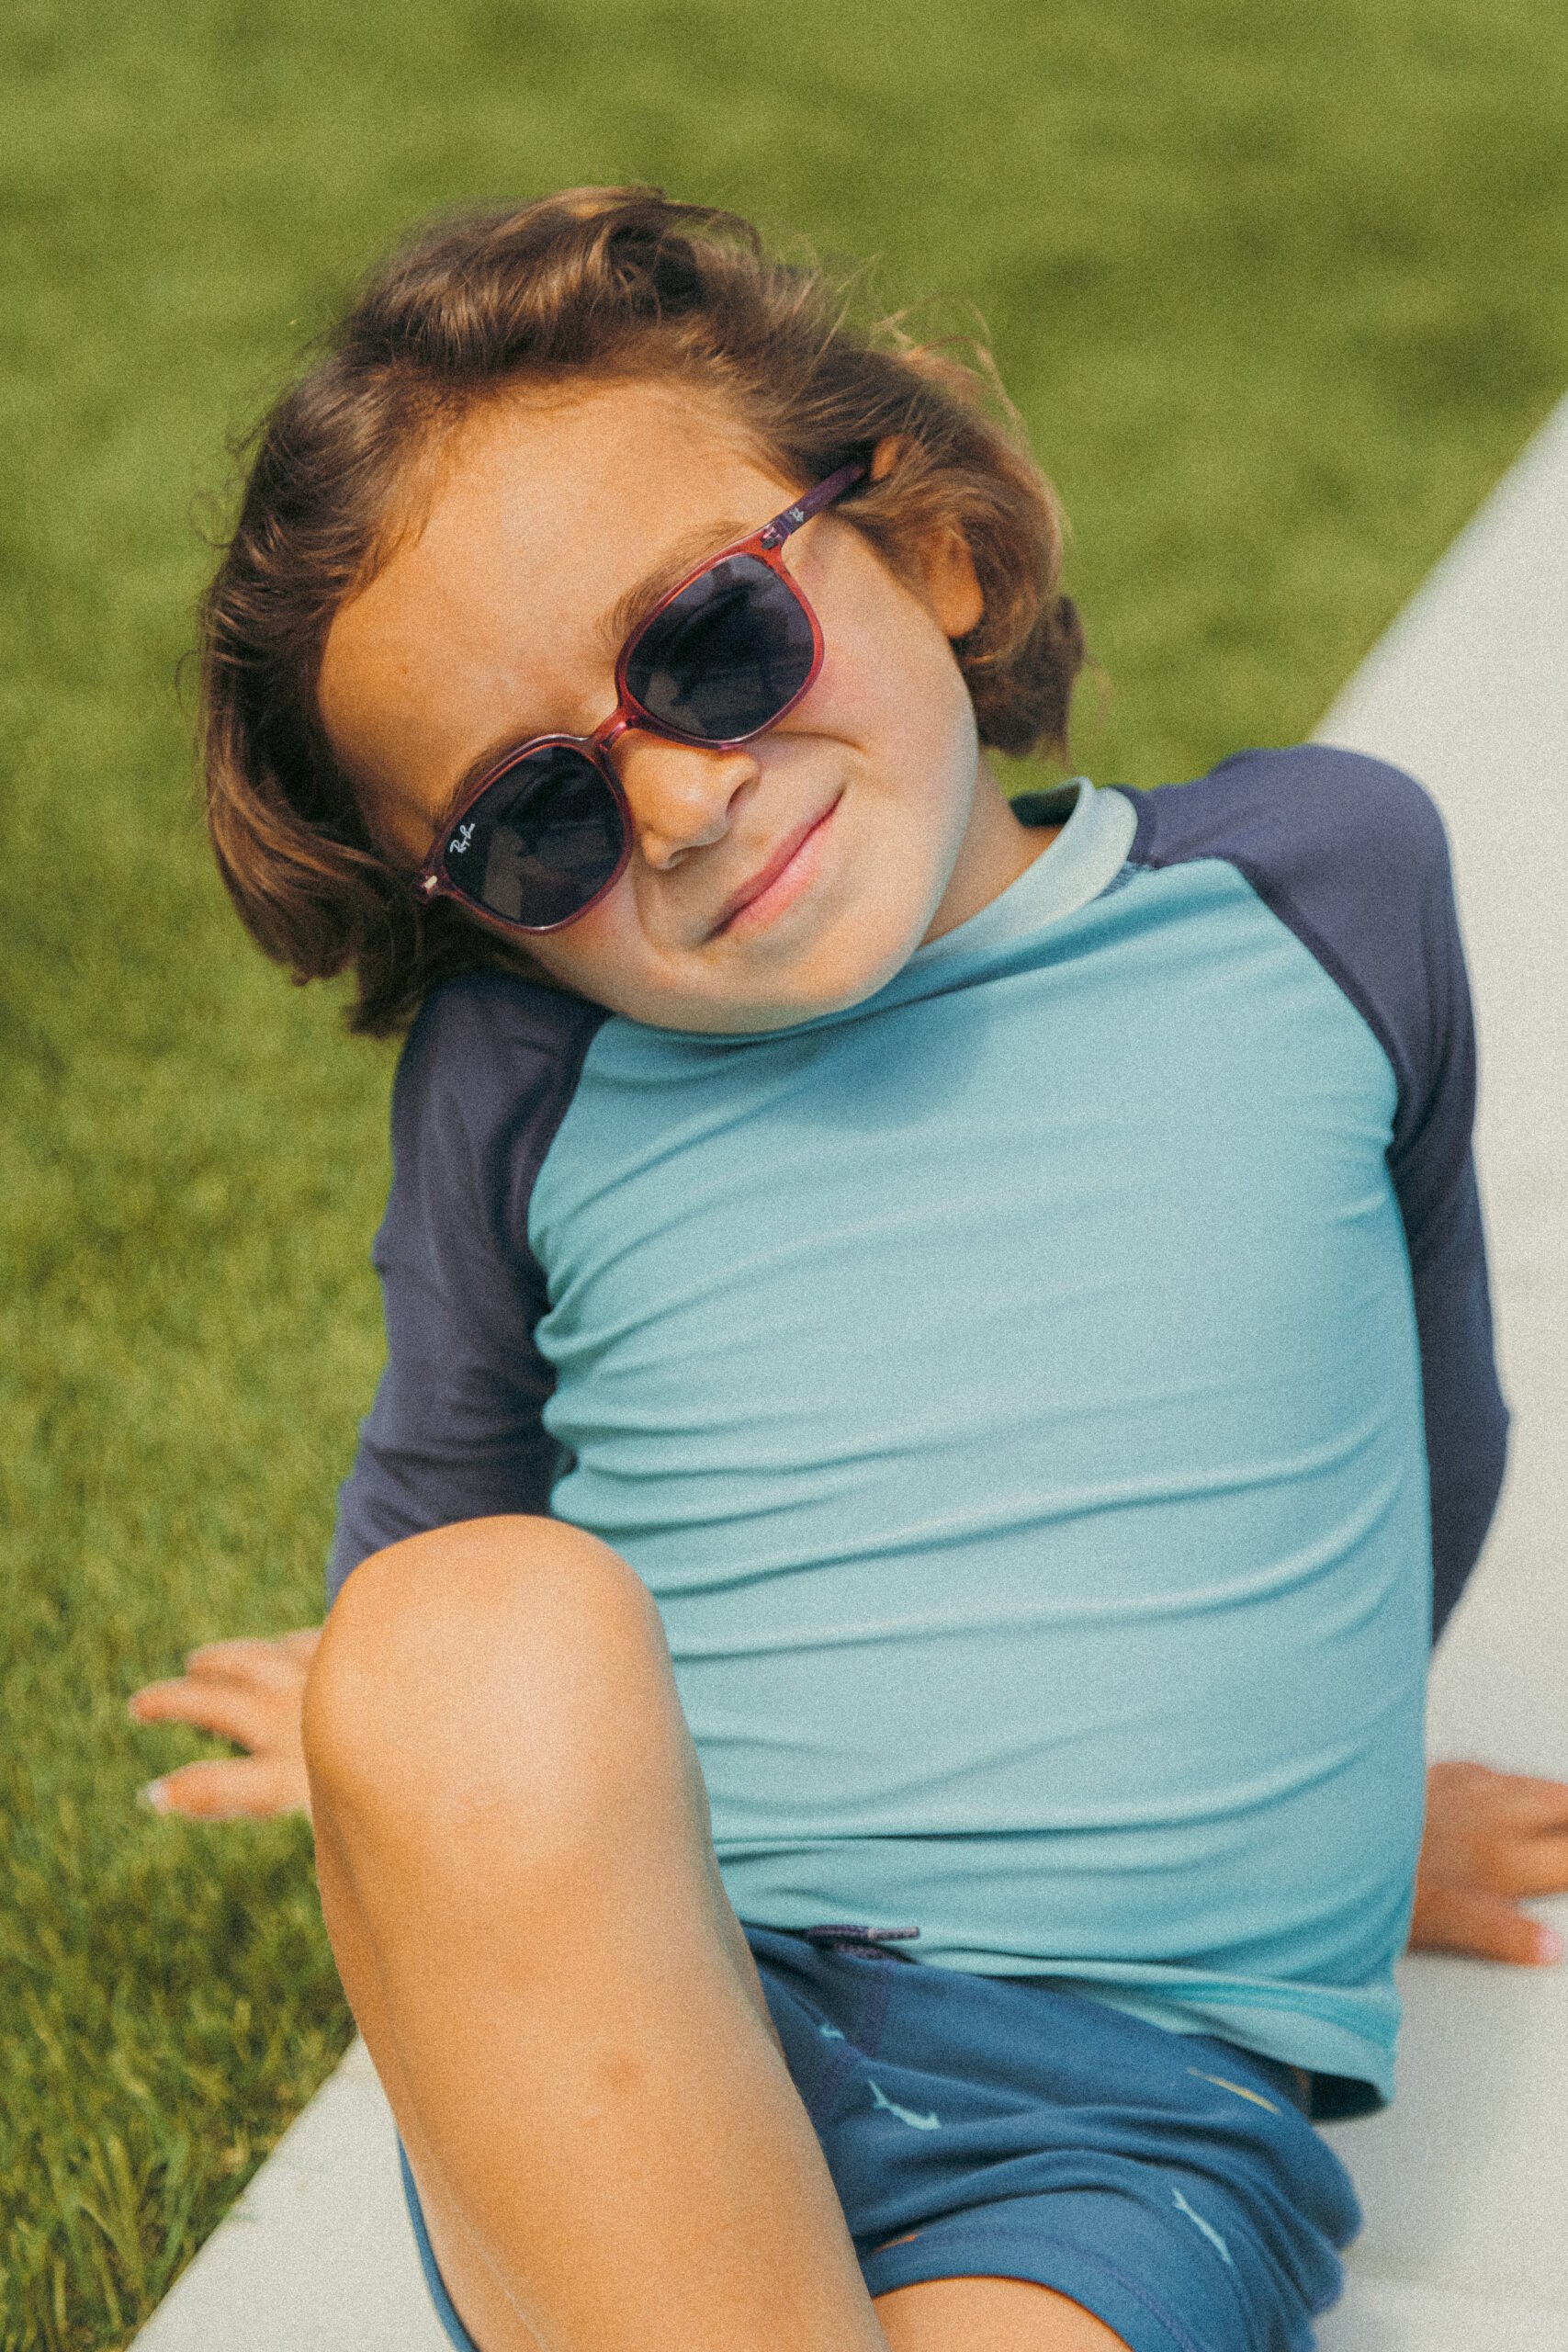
[1465, 2180]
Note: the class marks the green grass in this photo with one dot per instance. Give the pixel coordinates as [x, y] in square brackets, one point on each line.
[1280, 292]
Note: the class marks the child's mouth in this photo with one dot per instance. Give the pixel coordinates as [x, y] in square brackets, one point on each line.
[777, 885]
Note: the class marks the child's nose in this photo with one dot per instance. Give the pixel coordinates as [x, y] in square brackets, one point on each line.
[680, 797]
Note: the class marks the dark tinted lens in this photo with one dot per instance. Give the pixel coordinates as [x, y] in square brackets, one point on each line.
[726, 657]
[542, 840]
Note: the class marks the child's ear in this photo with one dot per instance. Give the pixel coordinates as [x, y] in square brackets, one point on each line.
[952, 588]
[946, 567]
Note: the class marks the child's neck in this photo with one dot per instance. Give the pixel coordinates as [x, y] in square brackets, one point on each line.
[996, 848]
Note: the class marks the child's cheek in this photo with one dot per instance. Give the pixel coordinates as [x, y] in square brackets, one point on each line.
[597, 951]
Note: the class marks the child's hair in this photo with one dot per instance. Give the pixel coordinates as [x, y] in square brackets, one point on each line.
[591, 284]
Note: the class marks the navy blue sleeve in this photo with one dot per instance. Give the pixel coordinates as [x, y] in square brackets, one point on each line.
[1351, 855]
[454, 1432]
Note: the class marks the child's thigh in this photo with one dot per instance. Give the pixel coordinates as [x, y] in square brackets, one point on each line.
[989, 2315]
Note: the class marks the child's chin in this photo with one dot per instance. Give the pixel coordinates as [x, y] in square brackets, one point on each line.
[755, 994]
[787, 1009]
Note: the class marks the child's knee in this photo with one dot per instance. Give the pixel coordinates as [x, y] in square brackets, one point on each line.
[502, 1668]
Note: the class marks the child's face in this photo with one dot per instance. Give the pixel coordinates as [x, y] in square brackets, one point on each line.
[497, 621]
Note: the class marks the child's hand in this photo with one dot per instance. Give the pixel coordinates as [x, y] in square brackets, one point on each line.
[251, 1692]
[1491, 1838]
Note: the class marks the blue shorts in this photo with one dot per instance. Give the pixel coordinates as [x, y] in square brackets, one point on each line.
[999, 2127]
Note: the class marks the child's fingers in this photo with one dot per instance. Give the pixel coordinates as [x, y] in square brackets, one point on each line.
[230, 1788]
[1530, 1864]
[229, 1709]
[1499, 1832]
[1534, 1804]
[279, 1661]
[1487, 1926]
[1476, 1792]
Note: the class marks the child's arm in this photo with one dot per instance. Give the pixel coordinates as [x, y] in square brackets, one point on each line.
[251, 1692]
[457, 1430]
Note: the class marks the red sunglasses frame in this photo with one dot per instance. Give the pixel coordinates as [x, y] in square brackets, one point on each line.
[433, 882]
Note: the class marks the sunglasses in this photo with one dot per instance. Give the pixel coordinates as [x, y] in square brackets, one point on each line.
[722, 657]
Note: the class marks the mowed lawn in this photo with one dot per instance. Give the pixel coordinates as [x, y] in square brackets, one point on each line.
[1280, 292]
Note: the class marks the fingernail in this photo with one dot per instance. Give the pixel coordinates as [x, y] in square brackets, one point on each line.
[1549, 1946]
[155, 1795]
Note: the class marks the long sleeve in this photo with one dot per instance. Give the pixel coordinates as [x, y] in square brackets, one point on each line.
[1432, 1161]
[1351, 855]
[456, 1430]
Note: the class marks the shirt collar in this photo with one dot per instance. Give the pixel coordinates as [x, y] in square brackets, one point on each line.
[1084, 859]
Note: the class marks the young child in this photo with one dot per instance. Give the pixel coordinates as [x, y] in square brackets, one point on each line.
[866, 1760]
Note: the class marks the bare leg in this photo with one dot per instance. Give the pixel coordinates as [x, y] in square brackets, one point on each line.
[989, 2315]
[518, 1880]
[515, 1865]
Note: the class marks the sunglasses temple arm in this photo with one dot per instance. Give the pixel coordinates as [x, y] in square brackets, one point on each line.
[780, 528]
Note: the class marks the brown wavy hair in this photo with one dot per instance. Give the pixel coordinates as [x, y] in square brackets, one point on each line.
[591, 282]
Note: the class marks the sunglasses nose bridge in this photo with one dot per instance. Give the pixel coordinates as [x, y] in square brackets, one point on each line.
[622, 720]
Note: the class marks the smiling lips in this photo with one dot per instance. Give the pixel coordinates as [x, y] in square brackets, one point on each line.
[789, 866]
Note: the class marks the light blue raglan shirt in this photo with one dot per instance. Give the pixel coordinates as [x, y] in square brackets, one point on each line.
[1018, 1392]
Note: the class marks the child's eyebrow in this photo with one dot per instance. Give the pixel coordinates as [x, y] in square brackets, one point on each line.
[684, 556]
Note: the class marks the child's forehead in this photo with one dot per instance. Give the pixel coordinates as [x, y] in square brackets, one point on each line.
[612, 452]
[550, 511]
